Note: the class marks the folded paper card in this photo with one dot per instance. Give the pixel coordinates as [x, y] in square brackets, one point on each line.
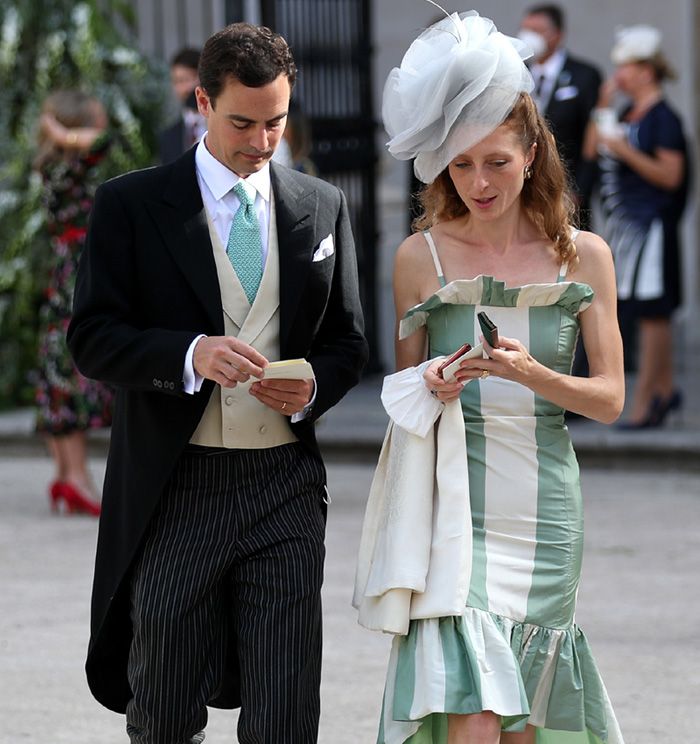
[289, 369]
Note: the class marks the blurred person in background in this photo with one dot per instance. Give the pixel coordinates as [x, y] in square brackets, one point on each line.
[566, 90]
[297, 135]
[72, 142]
[644, 185]
[190, 124]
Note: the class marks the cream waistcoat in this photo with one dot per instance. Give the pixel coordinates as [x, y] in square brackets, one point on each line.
[233, 418]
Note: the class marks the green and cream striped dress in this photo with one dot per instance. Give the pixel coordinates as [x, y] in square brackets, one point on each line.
[515, 650]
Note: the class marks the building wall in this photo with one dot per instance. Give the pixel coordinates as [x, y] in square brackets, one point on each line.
[591, 26]
[164, 26]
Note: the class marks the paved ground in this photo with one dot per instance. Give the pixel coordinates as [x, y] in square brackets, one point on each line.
[638, 604]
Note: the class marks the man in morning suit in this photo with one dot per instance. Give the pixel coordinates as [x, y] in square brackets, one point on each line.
[210, 552]
[566, 91]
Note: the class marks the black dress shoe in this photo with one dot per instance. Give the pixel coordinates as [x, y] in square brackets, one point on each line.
[661, 407]
[633, 425]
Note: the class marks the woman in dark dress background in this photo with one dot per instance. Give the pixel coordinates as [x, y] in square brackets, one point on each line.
[644, 178]
[72, 143]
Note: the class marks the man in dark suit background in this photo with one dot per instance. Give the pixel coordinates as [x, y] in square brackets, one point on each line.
[566, 91]
[188, 128]
[210, 551]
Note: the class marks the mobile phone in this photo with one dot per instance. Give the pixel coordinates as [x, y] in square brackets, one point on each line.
[489, 329]
[463, 349]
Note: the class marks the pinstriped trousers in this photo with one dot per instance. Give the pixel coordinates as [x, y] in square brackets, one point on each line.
[238, 534]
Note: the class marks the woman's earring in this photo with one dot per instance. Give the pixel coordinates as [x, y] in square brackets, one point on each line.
[527, 173]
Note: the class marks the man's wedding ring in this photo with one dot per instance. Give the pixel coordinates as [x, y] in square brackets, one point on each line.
[484, 374]
[284, 405]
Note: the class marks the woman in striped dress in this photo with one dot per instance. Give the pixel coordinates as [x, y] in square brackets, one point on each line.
[512, 667]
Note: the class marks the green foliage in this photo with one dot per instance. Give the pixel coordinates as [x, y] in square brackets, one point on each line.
[46, 45]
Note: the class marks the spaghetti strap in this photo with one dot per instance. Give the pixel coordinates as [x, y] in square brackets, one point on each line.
[433, 252]
[565, 266]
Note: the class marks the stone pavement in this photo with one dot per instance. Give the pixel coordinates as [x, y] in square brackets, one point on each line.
[636, 605]
[636, 602]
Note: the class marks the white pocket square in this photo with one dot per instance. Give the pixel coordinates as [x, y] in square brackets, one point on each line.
[324, 249]
[566, 94]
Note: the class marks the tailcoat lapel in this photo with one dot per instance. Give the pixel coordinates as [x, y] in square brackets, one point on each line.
[181, 219]
[296, 218]
[182, 222]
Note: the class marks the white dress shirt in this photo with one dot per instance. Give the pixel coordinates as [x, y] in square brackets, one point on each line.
[548, 72]
[216, 184]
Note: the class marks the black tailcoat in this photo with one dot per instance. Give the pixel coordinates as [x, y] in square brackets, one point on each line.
[569, 108]
[146, 287]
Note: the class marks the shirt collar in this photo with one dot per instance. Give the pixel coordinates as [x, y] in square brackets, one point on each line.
[552, 67]
[220, 179]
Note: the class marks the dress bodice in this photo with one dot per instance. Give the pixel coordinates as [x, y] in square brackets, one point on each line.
[544, 317]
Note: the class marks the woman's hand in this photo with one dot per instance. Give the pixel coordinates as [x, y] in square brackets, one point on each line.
[443, 391]
[511, 361]
[606, 93]
[73, 138]
[51, 127]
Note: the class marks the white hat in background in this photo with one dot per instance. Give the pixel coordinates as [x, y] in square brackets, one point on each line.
[635, 44]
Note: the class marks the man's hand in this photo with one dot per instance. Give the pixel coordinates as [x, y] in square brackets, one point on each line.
[227, 360]
[286, 396]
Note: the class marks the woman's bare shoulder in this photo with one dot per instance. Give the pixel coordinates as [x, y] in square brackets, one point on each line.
[413, 251]
[590, 241]
[594, 256]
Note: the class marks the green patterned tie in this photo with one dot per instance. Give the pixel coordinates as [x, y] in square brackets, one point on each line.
[244, 248]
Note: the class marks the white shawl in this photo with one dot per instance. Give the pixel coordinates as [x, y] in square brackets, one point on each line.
[416, 545]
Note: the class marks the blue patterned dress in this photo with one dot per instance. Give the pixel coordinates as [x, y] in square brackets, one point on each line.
[642, 221]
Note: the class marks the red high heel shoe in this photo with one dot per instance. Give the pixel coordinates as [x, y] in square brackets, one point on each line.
[74, 501]
[55, 495]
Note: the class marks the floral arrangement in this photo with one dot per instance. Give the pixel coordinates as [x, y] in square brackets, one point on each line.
[46, 45]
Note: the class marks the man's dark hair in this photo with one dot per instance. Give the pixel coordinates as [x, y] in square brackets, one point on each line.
[553, 12]
[253, 55]
[187, 57]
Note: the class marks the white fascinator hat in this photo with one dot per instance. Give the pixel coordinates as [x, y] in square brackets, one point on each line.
[457, 83]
